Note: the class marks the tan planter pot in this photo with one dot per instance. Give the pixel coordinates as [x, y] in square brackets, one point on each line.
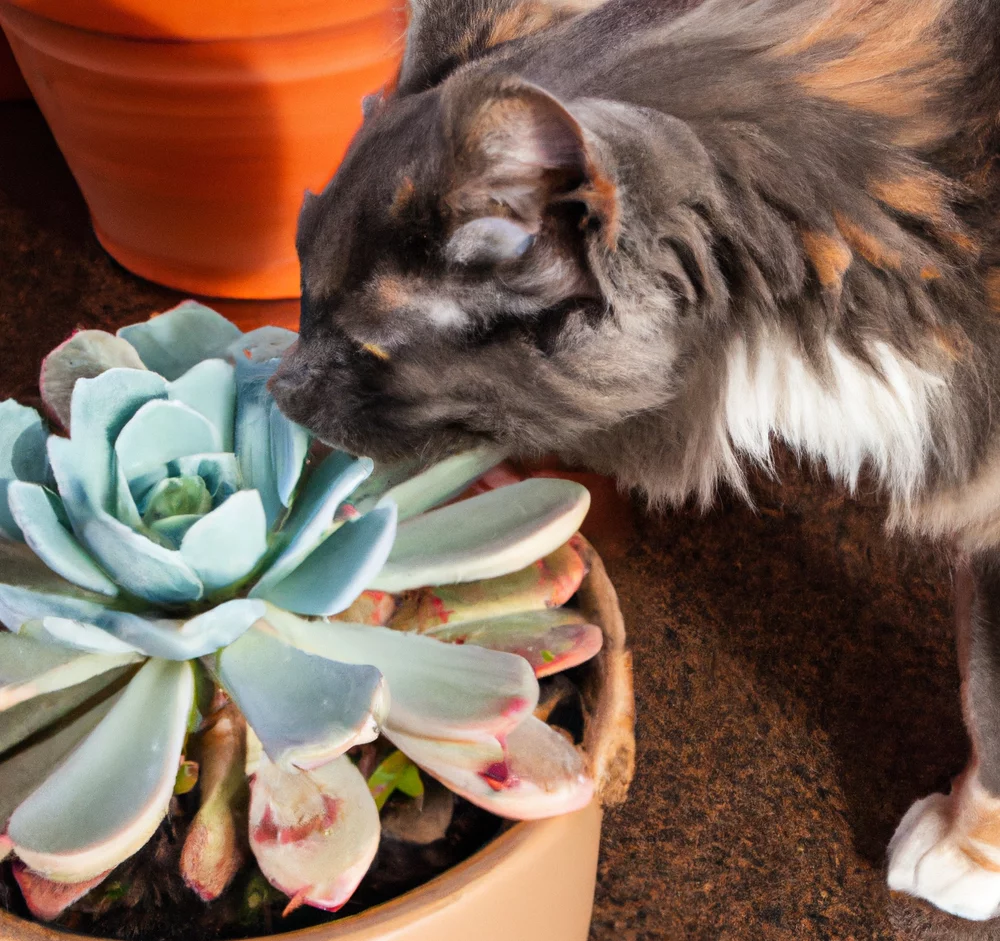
[536, 881]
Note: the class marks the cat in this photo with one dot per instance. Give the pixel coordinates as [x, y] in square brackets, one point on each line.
[654, 240]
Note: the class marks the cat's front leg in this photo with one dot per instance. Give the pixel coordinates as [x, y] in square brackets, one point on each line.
[947, 848]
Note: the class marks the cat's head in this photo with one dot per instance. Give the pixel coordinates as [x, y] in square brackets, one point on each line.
[455, 275]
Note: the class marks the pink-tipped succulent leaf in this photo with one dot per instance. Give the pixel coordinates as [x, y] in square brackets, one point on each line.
[314, 833]
[547, 583]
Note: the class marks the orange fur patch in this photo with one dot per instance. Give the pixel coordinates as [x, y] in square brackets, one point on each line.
[980, 859]
[601, 196]
[830, 257]
[894, 63]
[867, 245]
[921, 195]
[925, 196]
[402, 198]
[375, 351]
[391, 293]
[993, 288]
[930, 272]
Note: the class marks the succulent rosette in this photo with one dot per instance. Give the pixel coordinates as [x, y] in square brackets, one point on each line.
[172, 565]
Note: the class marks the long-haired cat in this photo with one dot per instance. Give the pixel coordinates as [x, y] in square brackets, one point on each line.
[653, 241]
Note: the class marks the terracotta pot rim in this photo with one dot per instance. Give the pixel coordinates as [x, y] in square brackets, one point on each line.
[194, 27]
[609, 744]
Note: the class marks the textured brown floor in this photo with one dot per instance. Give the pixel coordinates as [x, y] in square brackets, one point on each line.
[795, 677]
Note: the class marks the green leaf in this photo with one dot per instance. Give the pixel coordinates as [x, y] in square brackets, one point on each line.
[178, 339]
[489, 535]
[306, 710]
[84, 355]
[176, 496]
[395, 772]
[22, 456]
[102, 805]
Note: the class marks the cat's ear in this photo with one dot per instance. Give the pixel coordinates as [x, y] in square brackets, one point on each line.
[445, 34]
[517, 146]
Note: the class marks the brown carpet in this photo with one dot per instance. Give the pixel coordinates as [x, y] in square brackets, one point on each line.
[794, 671]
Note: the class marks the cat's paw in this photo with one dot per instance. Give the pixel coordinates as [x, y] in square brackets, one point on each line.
[946, 851]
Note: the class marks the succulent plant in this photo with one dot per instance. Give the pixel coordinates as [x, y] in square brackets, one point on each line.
[186, 560]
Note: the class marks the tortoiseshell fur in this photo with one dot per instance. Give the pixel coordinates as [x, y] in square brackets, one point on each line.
[652, 239]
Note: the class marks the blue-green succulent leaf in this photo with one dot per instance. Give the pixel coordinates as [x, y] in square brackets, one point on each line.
[171, 343]
[289, 447]
[102, 805]
[210, 388]
[162, 431]
[33, 715]
[221, 473]
[443, 690]
[486, 536]
[138, 565]
[84, 355]
[183, 640]
[312, 516]
[22, 773]
[305, 710]
[84, 465]
[225, 546]
[41, 517]
[22, 456]
[253, 430]
[29, 589]
[382, 479]
[265, 344]
[30, 668]
[337, 570]
[75, 635]
[442, 481]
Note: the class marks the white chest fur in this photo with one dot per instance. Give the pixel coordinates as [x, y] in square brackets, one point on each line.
[849, 419]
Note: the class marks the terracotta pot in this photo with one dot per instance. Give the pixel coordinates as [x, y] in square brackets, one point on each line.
[536, 881]
[12, 84]
[194, 127]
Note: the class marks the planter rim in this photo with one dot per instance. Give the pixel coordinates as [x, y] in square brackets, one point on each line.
[609, 745]
[203, 20]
